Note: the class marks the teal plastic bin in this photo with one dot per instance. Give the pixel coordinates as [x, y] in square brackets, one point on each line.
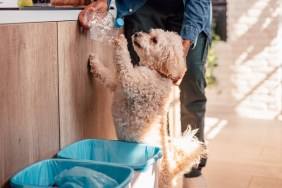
[142, 158]
[43, 173]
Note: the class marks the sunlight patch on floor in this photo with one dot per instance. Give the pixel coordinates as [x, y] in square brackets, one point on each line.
[213, 126]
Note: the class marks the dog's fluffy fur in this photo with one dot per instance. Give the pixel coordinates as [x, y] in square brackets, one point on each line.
[141, 98]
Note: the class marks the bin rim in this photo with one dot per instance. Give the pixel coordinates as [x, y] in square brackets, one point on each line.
[122, 185]
[138, 167]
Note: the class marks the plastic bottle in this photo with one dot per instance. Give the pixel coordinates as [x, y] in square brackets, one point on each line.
[103, 27]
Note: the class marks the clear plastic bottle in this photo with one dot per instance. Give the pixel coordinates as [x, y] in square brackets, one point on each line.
[103, 27]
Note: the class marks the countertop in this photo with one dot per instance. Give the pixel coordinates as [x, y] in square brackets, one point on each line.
[38, 14]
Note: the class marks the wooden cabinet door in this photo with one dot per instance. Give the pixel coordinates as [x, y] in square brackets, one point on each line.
[85, 105]
[29, 117]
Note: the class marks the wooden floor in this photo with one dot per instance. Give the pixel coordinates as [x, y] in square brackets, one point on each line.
[243, 153]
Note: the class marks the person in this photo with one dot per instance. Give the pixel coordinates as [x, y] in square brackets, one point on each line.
[192, 20]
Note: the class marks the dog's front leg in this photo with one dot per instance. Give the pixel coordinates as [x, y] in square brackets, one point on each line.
[103, 73]
[124, 66]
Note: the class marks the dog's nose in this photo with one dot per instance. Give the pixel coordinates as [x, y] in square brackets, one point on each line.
[136, 35]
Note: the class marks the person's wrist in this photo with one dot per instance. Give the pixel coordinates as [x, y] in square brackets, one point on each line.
[186, 45]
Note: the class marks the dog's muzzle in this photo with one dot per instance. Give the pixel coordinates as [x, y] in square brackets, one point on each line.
[135, 38]
[136, 35]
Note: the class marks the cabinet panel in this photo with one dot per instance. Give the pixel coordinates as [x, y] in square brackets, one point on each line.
[29, 114]
[84, 104]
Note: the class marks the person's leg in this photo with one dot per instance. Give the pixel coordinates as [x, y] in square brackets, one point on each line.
[192, 95]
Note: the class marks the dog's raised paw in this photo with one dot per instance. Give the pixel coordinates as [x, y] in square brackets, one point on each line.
[92, 61]
[121, 40]
[92, 58]
[121, 37]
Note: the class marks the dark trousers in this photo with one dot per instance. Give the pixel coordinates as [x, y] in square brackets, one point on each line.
[168, 15]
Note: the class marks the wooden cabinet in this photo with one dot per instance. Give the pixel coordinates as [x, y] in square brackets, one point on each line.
[29, 115]
[84, 103]
[48, 99]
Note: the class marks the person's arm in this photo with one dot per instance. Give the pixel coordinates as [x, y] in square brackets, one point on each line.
[186, 45]
[196, 14]
[101, 5]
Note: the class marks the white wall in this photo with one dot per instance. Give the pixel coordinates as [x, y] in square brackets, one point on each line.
[8, 3]
[250, 62]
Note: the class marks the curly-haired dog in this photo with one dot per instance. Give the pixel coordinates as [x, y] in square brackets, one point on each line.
[141, 98]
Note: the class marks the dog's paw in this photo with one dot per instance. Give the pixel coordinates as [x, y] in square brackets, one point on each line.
[92, 62]
[92, 58]
[121, 40]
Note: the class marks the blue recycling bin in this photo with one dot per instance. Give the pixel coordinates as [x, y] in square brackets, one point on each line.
[43, 173]
[141, 157]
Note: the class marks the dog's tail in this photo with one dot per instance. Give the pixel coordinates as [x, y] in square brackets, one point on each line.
[186, 152]
[180, 154]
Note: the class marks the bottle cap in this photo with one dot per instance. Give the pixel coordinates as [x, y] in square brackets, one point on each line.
[118, 23]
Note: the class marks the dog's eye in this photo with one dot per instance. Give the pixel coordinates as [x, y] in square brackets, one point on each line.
[154, 40]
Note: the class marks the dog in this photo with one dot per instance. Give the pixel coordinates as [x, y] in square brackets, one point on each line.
[141, 98]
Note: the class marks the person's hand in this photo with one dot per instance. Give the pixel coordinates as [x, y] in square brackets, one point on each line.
[186, 45]
[99, 5]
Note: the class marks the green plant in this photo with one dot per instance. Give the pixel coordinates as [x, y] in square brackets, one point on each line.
[211, 63]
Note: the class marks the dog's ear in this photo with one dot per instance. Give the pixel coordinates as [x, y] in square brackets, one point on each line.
[172, 64]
